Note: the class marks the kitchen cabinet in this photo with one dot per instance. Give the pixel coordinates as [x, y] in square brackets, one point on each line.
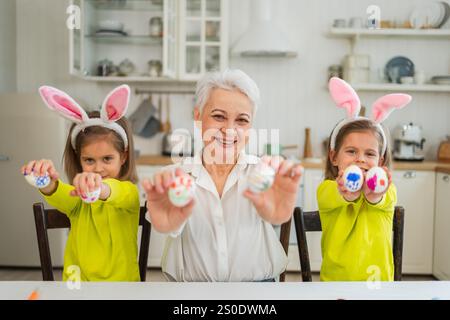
[441, 253]
[157, 240]
[194, 40]
[415, 192]
[307, 200]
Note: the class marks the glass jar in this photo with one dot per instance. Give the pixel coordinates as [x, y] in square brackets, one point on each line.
[156, 27]
[154, 68]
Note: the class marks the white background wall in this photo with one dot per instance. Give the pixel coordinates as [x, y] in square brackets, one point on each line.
[294, 95]
[7, 46]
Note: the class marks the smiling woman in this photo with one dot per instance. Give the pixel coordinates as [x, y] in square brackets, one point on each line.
[210, 236]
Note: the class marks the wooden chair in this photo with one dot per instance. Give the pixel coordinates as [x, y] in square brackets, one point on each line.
[284, 239]
[310, 221]
[53, 219]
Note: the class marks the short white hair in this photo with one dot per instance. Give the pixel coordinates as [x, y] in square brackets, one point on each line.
[229, 80]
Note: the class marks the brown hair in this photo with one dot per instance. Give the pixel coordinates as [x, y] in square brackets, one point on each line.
[71, 157]
[331, 171]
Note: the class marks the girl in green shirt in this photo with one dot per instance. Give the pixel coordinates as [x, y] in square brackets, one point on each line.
[357, 226]
[99, 155]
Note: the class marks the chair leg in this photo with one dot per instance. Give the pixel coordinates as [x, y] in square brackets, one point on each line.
[43, 244]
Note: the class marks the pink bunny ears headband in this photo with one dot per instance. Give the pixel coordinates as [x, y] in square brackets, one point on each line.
[114, 107]
[346, 97]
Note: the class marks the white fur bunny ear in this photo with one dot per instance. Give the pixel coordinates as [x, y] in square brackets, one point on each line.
[382, 108]
[344, 96]
[116, 104]
[62, 103]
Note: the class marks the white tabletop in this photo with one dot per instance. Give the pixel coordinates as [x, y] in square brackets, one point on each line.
[422, 290]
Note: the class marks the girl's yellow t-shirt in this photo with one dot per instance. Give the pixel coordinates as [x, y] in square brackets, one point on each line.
[356, 236]
[102, 243]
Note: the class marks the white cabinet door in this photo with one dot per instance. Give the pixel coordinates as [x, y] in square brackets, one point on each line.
[441, 253]
[415, 192]
[157, 240]
[308, 202]
[203, 37]
[170, 38]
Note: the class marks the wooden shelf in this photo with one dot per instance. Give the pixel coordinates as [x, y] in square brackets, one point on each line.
[417, 33]
[134, 79]
[400, 87]
[134, 39]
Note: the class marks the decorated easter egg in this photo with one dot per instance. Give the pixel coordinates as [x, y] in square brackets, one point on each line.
[181, 190]
[376, 179]
[92, 196]
[353, 178]
[37, 181]
[261, 178]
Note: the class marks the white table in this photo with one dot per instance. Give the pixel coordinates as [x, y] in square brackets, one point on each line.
[421, 290]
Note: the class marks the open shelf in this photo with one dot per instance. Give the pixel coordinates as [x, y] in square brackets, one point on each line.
[400, 87]
[133, 79]
[130, 5]
[134, 39]
[418, 33]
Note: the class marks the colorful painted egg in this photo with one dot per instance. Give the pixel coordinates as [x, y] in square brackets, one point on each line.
[353, 178]
[181, 190]
[38, 181]
[92, 196]
[377, 180]
[261, 178]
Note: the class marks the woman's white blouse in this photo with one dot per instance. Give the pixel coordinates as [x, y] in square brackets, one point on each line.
[224, 239]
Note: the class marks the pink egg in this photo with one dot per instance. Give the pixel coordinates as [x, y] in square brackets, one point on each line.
[377, 180]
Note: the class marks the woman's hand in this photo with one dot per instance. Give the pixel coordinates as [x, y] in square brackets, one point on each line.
[88, 182]
[41, 168]
[165, 217]
[373, 197]
[276, 204]
[347, 195]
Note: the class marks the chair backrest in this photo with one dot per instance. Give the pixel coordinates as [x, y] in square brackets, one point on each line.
[284, 239]
[306, 221]
[53, 219]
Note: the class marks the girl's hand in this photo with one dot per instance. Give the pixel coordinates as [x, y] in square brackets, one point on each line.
[165, 217]
[373, 197]
[41, 168]
[347, 195]
[276, 204]
[88, 182]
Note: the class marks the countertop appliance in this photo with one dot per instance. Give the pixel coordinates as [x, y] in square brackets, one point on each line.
[408, 143]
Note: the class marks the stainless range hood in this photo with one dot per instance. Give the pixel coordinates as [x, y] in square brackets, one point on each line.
[263, 37]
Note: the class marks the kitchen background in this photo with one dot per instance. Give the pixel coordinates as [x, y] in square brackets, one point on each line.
[35, 50]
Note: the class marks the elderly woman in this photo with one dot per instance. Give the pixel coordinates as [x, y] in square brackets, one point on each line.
[225, 233]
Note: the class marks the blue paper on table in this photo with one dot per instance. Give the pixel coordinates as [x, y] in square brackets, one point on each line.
[399, 67]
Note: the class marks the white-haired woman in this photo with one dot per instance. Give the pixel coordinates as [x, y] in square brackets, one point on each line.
[225, 233]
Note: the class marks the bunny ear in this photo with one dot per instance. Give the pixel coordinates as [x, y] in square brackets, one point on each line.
[116, 104]
[62, 103]
[383, 107]
[344, 96]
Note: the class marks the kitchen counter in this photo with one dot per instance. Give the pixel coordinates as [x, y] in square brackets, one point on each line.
[444, 167]
[50, 290]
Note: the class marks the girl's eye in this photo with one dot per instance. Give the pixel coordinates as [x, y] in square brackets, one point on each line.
[89, 161]
[107, 159]
[351, 151]
[243, 121]
[371, 154]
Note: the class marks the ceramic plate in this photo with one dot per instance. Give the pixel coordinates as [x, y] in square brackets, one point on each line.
[397, 68]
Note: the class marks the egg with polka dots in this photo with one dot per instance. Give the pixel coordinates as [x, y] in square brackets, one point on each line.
[91, 197]
[37, 181]
[181, 190]
[377, 180]
[353, 178]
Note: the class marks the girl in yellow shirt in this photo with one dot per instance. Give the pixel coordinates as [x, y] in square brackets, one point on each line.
[357, 226]
[102, 243]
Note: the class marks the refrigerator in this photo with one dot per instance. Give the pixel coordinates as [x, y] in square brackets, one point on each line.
[28, 130]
